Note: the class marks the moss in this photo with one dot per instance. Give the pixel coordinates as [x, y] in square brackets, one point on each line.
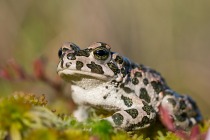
[26, 116]
[167, 136]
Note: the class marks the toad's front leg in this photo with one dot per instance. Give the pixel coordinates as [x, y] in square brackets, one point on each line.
[133, 118]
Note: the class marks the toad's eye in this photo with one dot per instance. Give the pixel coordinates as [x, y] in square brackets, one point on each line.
[101, 53]
[60, 52]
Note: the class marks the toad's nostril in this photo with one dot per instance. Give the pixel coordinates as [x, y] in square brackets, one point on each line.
[68, 64]
[60, 52]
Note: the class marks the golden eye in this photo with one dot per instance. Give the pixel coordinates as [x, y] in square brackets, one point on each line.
[101, 53]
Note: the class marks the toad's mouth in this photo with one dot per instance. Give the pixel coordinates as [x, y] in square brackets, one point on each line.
[76, 75]
[85, 80]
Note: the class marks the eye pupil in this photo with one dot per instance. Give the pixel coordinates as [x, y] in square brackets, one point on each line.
[60, 52]
[101, 54]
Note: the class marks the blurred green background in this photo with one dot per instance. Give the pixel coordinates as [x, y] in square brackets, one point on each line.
[171, 36]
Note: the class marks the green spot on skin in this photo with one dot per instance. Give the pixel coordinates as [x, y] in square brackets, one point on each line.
[119, 60]
[172, 101]
[127, 101]
[71, 56]
[117, 119]
[142, 67]
[147, 108]
[157, 86]
[182, 105]
[123, 71]
[79, 65]
[95, 68]
[83, 53]
[145, 120]
[127, 89]
[144, 95]
[181, 117]
[135, 81]
[113, 67]
[145, 81]
[132, 112]
[138, 74]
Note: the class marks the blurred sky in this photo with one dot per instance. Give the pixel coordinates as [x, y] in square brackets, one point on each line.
[171, 36]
